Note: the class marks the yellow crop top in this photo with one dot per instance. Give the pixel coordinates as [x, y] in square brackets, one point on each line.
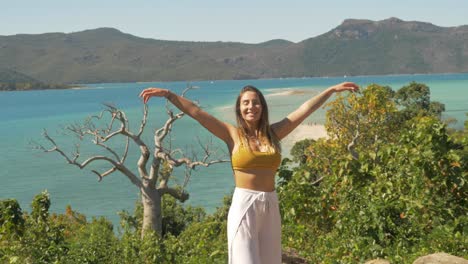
[243, 158]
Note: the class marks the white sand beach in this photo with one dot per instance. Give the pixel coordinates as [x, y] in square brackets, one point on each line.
[303, 131]
[288, 92]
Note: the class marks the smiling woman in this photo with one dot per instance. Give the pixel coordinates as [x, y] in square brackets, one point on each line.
[254, 222]
[250, 107]
[253, 121]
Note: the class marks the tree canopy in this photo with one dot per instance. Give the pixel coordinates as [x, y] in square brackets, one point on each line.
[392, 182]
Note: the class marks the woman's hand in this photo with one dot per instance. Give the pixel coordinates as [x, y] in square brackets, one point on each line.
[345, 86]
[147, 93]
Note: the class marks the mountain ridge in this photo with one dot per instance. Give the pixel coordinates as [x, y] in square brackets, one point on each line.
[355, 47]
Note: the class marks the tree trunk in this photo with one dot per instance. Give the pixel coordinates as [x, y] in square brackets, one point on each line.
[152, 211]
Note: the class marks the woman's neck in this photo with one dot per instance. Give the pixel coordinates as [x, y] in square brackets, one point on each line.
[251, 129]
[252, 132]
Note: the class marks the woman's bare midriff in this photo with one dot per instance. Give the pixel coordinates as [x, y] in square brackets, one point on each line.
[255, 179]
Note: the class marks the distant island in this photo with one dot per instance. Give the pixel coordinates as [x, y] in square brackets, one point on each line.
[32, 86]
[11, 80]
[355, 47]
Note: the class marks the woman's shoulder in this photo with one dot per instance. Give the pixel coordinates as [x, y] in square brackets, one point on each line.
[235, 132]
[231, 127]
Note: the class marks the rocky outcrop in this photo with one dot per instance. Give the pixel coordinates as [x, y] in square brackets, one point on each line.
[437, 258]
[440, 258]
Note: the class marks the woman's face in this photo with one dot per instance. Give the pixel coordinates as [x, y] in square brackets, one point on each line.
[250, 107]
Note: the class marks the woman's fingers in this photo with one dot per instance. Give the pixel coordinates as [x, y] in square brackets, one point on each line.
[143, 93]
[147, 93]
[346, 86]
[349, 86]
[353, 87]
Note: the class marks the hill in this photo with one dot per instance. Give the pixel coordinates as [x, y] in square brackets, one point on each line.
[12, 76]
[356, 47]
[390, 46]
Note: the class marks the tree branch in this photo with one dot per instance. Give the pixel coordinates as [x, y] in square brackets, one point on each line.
[123, 130]
[317, 181]
[143, 121]
[352, 144]
[188, 162]
[102, 175]
[115, 165]
[180, 195]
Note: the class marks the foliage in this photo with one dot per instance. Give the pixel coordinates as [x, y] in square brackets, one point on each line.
[11, 220]
[299, 149]
[177, 218]
[190, 236]
[371, 116]
[92, 243]
[40, 239]
[206, 241]
[11, 227]
[284, 172]
[200, 239]
[415, 98]
[385, 192]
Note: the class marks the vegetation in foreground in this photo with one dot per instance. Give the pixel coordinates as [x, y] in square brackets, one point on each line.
[389, 182]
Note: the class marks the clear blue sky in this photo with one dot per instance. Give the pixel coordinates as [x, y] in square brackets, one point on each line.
[250, 21]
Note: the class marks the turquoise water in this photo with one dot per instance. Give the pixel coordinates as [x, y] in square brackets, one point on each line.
[23, 116]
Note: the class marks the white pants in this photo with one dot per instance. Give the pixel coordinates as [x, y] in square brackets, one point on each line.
[254, 228]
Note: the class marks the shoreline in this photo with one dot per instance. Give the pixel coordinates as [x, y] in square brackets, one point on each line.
[301, 132]
[289, 92]
[212, 81]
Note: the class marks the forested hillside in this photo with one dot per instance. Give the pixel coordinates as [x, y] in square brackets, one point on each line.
[356, 47]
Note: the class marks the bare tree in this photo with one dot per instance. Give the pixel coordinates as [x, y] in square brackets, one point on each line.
[153, 184]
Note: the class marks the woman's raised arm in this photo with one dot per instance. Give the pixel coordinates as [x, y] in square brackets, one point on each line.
[289, 123]
[218, 128]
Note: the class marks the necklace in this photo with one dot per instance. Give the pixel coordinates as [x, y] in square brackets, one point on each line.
[258, 144]
[255, 140]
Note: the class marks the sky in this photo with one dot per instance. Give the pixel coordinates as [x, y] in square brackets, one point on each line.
[248, 21]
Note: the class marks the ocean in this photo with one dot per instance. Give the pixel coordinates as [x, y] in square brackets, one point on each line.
[26, 171]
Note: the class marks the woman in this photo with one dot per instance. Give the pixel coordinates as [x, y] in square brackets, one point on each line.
[254, 225]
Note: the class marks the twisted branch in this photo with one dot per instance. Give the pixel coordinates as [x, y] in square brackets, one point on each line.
[352, 144]
[116, 165]
[180, 195]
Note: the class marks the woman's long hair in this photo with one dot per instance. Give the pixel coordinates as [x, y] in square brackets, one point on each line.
[265, 135]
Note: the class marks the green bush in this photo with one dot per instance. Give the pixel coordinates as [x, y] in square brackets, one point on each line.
[392, 196]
